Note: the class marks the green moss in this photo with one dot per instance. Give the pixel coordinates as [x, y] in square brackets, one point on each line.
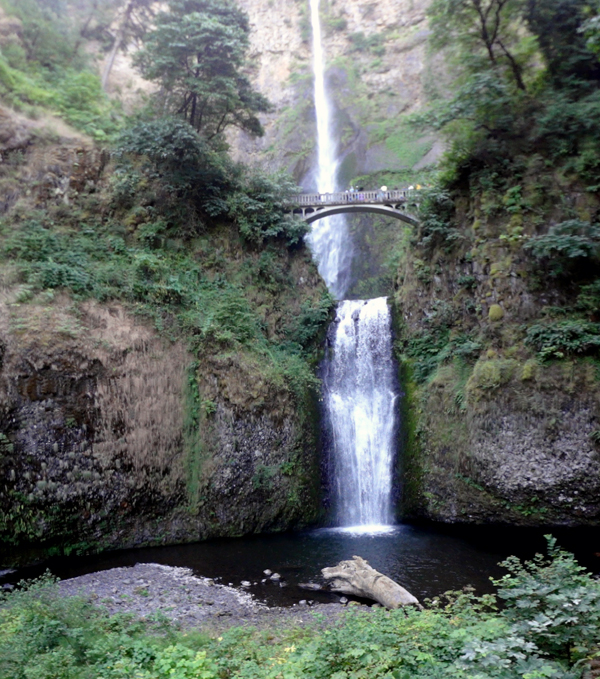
[490, 374]
[529, 370]
[495, 313]
[410, 460]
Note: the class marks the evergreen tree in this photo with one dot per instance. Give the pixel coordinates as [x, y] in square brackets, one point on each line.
[197, 54]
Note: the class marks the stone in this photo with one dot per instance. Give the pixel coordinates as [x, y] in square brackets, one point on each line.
[357, 578]
[268, 572]
[276, 576]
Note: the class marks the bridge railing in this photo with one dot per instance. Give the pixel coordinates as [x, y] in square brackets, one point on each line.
[349, 197]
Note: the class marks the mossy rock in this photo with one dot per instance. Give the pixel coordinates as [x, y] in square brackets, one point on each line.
[495, 313]
[529, 370]
[490, 374]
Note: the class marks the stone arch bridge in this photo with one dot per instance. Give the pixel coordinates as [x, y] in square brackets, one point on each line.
[397, 203]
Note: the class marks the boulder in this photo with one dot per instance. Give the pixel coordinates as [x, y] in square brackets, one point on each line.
[357, 578]
[15, 133]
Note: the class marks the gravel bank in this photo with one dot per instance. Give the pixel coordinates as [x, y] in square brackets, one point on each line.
[186, 599]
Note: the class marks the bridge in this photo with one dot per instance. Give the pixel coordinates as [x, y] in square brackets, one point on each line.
[313, 206]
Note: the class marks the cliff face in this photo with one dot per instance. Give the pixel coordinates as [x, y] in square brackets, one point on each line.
[112, 433]
[496, 430]
[377, 68]
[94, 453]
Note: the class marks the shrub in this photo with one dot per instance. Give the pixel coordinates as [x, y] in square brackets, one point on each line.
[565, 245]
[553, 602]
[178, 155]
[431, 348]
[562, 338]
[311, 320]
[437, 213]
[588, 300]
[367, 43]
[259, 209]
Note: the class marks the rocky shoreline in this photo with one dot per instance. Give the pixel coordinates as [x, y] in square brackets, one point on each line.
[152, 590]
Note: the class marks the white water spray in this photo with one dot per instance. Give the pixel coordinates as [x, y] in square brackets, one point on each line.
[360, 399]
[359, 373]
[329, 238]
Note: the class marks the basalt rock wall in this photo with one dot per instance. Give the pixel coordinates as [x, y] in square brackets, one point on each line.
[97, 449]
[496, 431]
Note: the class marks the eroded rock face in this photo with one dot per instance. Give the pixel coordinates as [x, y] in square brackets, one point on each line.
[522, 451]
[97, 450]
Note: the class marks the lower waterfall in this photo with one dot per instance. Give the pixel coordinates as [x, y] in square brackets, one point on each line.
[360, 396]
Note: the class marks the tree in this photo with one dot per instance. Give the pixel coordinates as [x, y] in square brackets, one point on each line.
[196, 54]
[132, 24]
[486, 33]
[557, 24]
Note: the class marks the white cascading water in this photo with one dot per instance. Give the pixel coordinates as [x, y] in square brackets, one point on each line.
[359, 392]
[329, 238]
[359, 399]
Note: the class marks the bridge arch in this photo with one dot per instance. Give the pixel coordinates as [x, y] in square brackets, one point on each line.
[310, 214]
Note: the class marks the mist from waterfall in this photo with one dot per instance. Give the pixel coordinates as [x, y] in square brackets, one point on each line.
[329, 239]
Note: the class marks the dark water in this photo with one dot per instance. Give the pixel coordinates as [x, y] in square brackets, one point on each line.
[426, 560]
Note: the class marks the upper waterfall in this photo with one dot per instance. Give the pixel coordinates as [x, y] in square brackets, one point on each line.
[329, 238]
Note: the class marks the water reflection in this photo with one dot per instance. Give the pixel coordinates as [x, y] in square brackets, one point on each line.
[426, 560]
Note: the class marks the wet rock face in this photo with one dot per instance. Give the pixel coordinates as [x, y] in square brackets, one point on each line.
[523, 453]
[77, 462]
[94, 450]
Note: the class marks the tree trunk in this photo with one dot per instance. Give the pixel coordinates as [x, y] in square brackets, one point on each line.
[357, 578]
[110, 61]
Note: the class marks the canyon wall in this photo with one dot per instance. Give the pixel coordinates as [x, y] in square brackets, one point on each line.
[377, 71]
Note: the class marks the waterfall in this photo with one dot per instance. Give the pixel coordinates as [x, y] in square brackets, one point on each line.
[358, 383]
[359, 399]
[329, 239]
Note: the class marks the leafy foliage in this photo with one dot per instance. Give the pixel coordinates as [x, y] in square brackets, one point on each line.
[174, 287]
[177, 154]
[311, 321]
[367, 43]
[486, 33]
[46, 65]
[436, 212]
[558, 26]
[169, 151]
[566, 244]
[553, 602]
[525, 81]
[547, 628]
[558, 339]
[259, 209]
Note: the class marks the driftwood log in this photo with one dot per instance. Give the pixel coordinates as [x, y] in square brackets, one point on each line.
[357, 578]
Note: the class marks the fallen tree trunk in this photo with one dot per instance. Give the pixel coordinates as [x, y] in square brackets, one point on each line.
[357, 578]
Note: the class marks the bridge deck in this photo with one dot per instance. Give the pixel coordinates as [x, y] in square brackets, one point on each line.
[350, 198]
